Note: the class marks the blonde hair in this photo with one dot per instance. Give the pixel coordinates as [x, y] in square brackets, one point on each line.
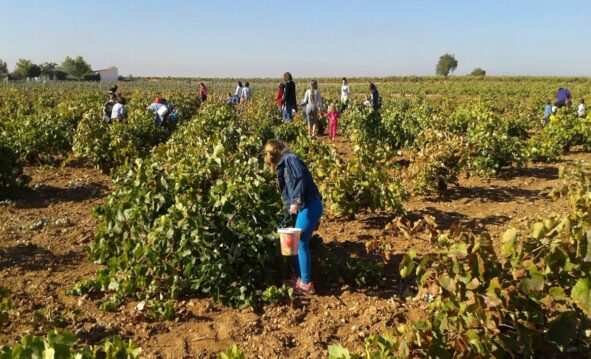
[274, 150]
[331, 107]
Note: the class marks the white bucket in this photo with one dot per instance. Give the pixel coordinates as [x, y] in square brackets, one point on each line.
[289, 239]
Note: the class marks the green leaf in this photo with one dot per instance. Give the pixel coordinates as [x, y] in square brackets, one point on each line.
[447, 283]
[534, 284]
[336, 351]
[509, 241]
[459, 251]
[562, 330]
[581, 294]
[538, 230]
[407, 264]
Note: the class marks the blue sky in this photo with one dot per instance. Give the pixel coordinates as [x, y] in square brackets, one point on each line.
[261, 38]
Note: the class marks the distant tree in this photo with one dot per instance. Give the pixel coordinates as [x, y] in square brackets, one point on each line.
[3, 69]
[60, 75]
[48, 69]
[34, 71]
[76, 67]
[447, 63]
[478, 72]
[22, 67]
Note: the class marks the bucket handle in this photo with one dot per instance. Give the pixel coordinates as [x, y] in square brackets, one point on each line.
[284, 219]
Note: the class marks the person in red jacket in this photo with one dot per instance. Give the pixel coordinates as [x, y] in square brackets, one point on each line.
[202, 92]
[279, 96]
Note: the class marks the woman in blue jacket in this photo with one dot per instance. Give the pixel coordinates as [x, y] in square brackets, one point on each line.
[301, 196]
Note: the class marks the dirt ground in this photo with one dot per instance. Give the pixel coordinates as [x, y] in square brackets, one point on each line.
[45, 230]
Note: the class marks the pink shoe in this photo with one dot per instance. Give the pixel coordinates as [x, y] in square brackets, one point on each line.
[302, 288]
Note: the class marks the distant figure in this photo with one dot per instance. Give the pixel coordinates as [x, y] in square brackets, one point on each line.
[108, 106]
[237, 93]
[547, 113]
[279, 96]
[563, 98]
[554, 112]
[582, 110]
[119, 112]
[202, 92]
[246, 93]
[313, 103]
[374, 96]
[333, 119]
[289, 100]
[345, 92]
[160, 108]
[113, 90]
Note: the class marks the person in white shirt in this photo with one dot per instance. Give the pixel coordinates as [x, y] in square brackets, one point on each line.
[119, 112]
[312, 102]
[582, 110]
[246, 93]
[237, 93]
[345, 92]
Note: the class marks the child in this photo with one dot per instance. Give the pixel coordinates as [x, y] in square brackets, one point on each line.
[547, 113]
[333, 119]
[582, 111]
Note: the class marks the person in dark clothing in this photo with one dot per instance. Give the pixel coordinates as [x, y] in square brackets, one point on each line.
[289, 97]
[374, 96]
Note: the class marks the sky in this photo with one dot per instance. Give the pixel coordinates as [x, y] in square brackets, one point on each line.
[322, 38]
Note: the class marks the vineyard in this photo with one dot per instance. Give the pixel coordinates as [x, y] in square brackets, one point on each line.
[455, 225]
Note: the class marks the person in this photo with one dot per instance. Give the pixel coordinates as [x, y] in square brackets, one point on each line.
[374, 96]
[312, 102]
[547, 113]
[202, 92]
[563, 97]
[554, 112]
[302, 198]
[289, 100]
[113, 90]
[160, 108]
[119, 112]
[333, 118]
[108, 106]
[246, 93]
[581, 110]
[345, 92]
[279, 96]
[237, 93]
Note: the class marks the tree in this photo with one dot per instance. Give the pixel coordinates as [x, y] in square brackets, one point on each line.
[76, 67]
[478, 72]
[446, 64]
[22, 67]
[48, 69]
[3, 69]
[34, 71]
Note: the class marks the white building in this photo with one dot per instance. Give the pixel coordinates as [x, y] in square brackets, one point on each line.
[110, 74]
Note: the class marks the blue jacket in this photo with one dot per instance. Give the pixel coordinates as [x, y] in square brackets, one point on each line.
[295, 181]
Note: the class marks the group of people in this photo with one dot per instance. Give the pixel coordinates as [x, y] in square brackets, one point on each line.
[312, 104]
[242, 94]
[563, 99]
[114, 109]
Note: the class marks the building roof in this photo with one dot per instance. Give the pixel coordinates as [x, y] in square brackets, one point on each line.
[107, 69]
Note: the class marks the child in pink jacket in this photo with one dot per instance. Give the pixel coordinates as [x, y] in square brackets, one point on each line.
[333, 119]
